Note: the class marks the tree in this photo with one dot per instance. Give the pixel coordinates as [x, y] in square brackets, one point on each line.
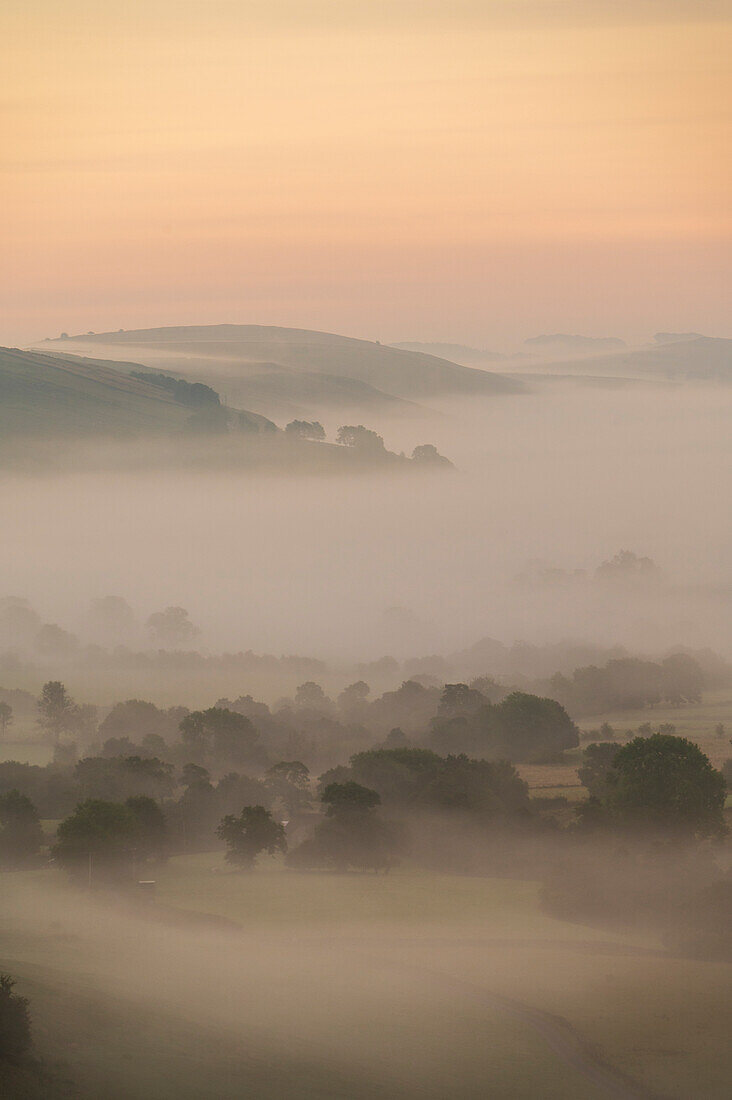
[682, 679]
[352, 834]
[98, 840]
[341, 799]
[666, 784]
[428, 455]
[112, 618]
[626, 567]
[19, 623]
[150, 831]
[57, 710]
[311, 696]
[172, 627]
[305, 429]
[53, 641]
[252, 832]
[289, 780]
[354, 697]
[6, 717]
[533, 728]
[136, 719]
[21, 835]
[361, 438]
[15, 1034]
[223, 734]
[119, 777]
[596, 772]
[196, 812]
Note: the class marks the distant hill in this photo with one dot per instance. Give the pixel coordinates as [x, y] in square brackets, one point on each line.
[698, 359]
[676, 337]
[47, 395]
[455, 353]
[262, 367]
[69, 412]
[561, 343]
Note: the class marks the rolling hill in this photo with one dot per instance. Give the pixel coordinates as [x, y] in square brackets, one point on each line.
[281, 370]
[44, 395]
[699, 359]
[455, 353]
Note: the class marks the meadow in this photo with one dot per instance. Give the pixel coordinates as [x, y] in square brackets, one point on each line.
[411, 984]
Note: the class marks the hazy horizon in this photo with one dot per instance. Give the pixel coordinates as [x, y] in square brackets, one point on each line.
[478, 172]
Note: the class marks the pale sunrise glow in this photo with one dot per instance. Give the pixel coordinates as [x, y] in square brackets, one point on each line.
[477, 171]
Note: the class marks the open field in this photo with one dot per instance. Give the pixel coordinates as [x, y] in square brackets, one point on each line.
[409, 984]
[185, 1007]
[697, 722]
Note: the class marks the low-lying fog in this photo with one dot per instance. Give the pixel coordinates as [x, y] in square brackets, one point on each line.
[564, 476]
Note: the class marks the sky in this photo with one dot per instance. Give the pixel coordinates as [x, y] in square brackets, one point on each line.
[476, 171]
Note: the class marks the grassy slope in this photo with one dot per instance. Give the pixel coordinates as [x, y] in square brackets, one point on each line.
[659, 1019]
[147, 1010]
[394, 371]
[705, 359]
[42, 395]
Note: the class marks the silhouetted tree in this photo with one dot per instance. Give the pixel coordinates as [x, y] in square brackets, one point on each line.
[98, 840]
[289, 781]
[222, 734]
[57, 710]
[352, 834]
[362, 438]
[305, 429]
[6, 717]
[150, 837]
[252, 832]
[21, 835]
[172, 627]
[427, 454]
[596, 772]
[15, 1025]
[667, 784]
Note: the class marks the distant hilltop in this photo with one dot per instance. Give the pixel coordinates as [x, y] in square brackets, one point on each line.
[286, 373]
[455, 353]
[676, 337]
[563, 342]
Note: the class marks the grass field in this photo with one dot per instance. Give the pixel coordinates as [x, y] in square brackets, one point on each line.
[301, 1002]
[278, 984]
[697, 722]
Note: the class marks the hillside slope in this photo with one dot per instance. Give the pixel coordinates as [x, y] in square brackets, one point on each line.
[45, 395]
[240, 353]
[702, 359]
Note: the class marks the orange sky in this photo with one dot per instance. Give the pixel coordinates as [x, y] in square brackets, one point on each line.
[476, 171]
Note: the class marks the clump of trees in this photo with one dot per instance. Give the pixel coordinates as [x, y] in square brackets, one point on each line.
[363, 439]
[172, 628]
[221, 735]
[105, 841]
[306, 429]
[351, 835]
[664, 785]
[194, 395]
[427, 454]
[628, 683]
[521, 728]
[419, 779]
